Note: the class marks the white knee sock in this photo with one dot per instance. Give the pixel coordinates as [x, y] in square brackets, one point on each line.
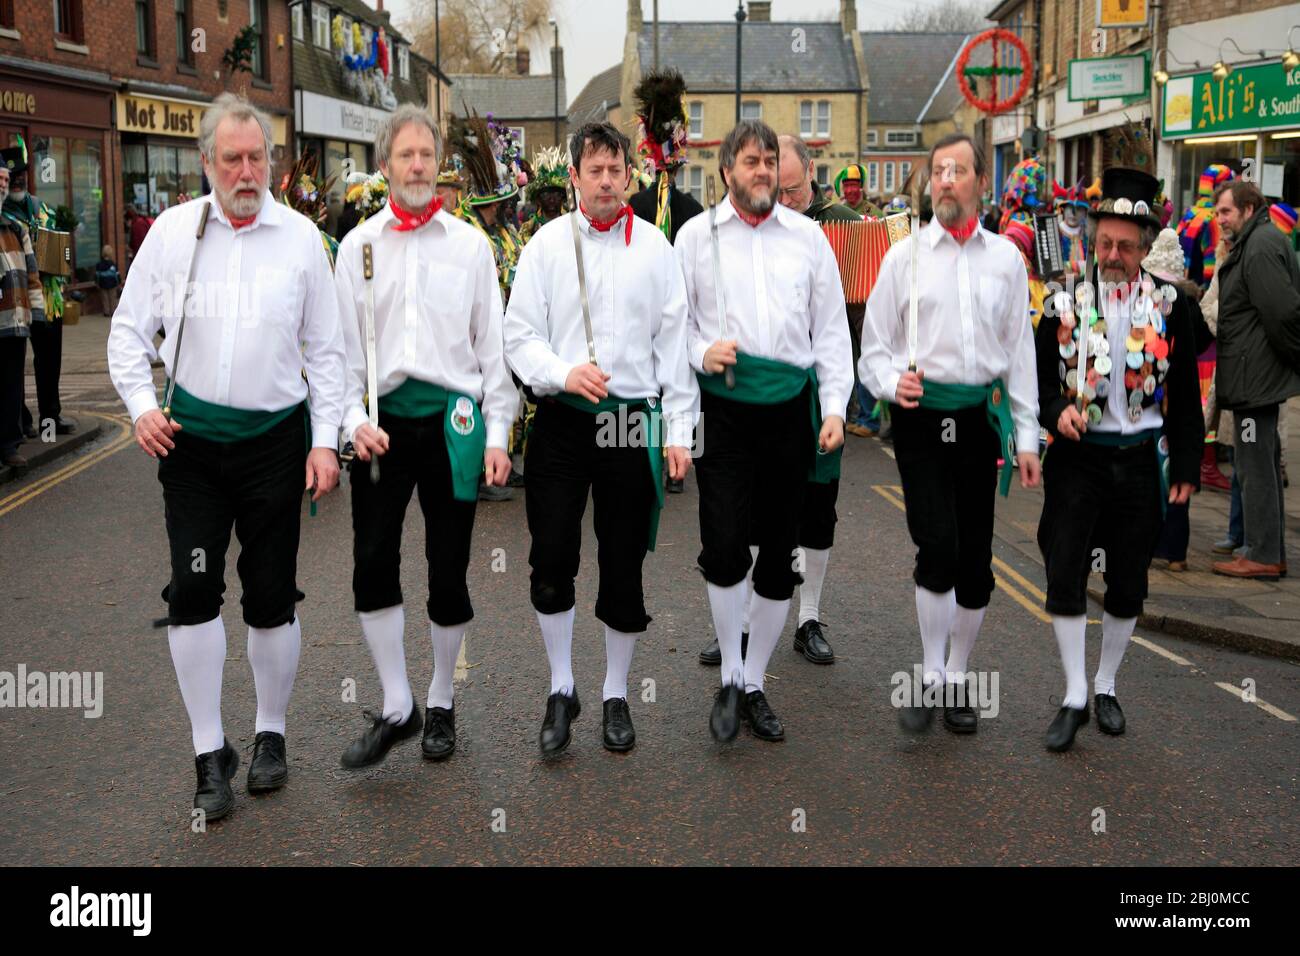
[273, 652]
[446, 648]
[385, 632]
[557, 633]
[618, 661]
[728, 607]
[965, 628]
[810, 592]
[199, 654]
[1070, 633]
[749, 586]
[934, 613]
[767, 621]
[1115, 634]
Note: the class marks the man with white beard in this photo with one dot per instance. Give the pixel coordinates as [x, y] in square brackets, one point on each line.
[241, 434]
[445, 405]
[959, 375]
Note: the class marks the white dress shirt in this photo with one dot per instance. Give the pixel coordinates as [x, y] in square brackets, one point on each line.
[638, 316]
[972, 322]
[1117, 310]
[437, 316]
[782, 292]
[260, 310]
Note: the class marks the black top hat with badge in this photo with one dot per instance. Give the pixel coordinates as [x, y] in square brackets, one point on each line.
[1128, 188]
[14, 159]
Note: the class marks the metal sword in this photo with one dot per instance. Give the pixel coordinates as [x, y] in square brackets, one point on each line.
[372, 369]
[728, 372]
[180, 329]
[915, 291]
[582, 280]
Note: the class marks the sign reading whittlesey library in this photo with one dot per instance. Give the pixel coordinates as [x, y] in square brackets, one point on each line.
[1105, 77]
[1247, 100]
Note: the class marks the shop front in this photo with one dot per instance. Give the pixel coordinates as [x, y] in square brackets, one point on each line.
[342, 134]
[65, 120]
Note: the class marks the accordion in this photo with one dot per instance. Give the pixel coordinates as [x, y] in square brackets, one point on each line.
[859, 248]
[53, 251]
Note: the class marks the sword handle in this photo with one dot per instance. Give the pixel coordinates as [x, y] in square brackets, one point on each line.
[374, 469]
[729, 377]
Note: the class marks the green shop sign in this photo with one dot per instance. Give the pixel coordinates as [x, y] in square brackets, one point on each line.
[1247, 100]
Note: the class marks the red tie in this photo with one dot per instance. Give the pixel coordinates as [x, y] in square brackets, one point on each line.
[607, 226]
[241, 223]
[413, 220]
[963, 231]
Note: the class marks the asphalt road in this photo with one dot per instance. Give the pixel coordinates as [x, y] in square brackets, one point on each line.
[1202, 777]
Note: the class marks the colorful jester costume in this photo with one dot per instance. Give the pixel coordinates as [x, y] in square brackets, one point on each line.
[1198, 232]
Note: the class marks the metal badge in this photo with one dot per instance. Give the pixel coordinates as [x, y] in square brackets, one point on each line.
[1149, 385]
[1071, 379]
[1102, 365]
[1068, 350]
[1133, 360]
[1103, 387]
[1094, 414]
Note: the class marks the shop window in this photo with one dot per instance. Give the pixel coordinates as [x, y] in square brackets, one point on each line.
[75, 187]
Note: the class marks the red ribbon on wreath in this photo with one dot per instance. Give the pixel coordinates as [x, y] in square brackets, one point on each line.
[991, 105]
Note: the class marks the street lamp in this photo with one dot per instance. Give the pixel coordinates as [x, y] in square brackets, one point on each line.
[740, 18]
[555, 77]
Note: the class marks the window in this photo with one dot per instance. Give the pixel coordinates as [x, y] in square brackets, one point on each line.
[806, 119]
[295, 14]
[904, 170]
[823, 175]
[519, 138]
[7, 14]
[751, 110]
[77, 182]
[900, 137]
[823, 117]
[889, 177]
[695, 117]
[320, 25]
[695, 183]
[182, 8]
[873, 177]
[404, 62]
[144, 28]
[257, 20]
[871, 137]
[67, 20]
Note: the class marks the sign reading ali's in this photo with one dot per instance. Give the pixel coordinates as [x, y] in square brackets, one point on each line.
[1106, 77]
[1250, 99]
[144, 114]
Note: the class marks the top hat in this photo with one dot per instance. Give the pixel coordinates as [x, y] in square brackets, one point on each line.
[1128, 194]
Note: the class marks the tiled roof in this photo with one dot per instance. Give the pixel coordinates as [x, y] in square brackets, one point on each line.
[598, 97]
[905, 69]
[506, 95]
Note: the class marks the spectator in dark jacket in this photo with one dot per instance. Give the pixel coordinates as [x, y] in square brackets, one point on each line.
[1258, 366]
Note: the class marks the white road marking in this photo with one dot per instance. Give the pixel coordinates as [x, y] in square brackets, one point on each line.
[1266, 707]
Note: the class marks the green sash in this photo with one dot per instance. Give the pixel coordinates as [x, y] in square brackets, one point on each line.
[762, 381]
[653, 424]
[943, 397]
[1117, 440]
[463, 426]
[221, 422]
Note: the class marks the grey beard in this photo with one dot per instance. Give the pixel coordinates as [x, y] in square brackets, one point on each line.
[412, 200]
[4, 194]
[17, 195]
[753, 205]
[240, 208]
[949, 213]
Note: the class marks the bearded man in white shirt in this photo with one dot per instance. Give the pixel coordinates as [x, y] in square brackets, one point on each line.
[445, 404]
[233, 439]
[771, 350]
[963, 393]
[596, 328]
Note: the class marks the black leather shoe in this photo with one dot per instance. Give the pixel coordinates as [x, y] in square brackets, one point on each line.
[617, 726]
[214, 769]
[916, 718]
[711, 655]
[561, 711]
[724, 722]
[812, 644]
[373, 745]
[959, 719]
[30, 432]
[268, 769]
[763, 724]
[1110, 718]
[1068, 720]
[439, 741]
[64, 426]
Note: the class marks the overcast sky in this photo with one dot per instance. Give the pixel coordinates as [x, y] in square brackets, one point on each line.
[592, 31]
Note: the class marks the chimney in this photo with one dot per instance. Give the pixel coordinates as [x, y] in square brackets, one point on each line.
[849, 17]
[557, 61]
[522, 61]
[760, 11]
[634, 16]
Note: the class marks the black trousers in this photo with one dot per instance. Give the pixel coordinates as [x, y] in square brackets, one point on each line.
[47, 362]
[13, 359]
[563, 462]
[817, 520]
[1100, 504]
[254, 486]
[753, 477]
[948, 465]
[416, 458]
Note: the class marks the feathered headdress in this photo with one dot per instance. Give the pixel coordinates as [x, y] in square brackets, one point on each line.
[1129, 146]
[491, 157]
[550, 171]
[661, 120]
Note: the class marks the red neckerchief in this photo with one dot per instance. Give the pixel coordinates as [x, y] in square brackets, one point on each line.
[241, 223]
[414, 220]
[607, 226]
[754, 221]
[963, 231]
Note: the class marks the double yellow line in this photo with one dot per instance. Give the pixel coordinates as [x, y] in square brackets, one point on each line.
[46, 482]
[1011, 581]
